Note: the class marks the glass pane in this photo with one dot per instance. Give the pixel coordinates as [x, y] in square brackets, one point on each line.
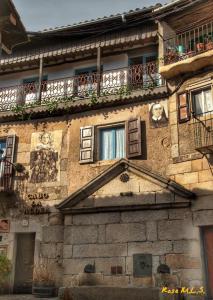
[2, 148]
[183, 113]
[198, 103]
[120, 143]
[107, 144]
[208, 100]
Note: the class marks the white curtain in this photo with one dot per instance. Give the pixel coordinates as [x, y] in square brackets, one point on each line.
[120, 147]
[208, 100]
[199, 103]
[203, 101]
[106, 144]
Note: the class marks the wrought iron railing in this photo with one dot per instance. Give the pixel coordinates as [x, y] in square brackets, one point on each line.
[203, 132]
[189, 43]
[5, 176]
[110, 82]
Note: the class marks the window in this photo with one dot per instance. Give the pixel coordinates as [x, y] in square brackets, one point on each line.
[202, 101]
[2, 155]
[112, 143]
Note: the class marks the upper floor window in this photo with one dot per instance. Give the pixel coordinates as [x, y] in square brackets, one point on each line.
[202, 101]
[112, 143]
[2, 155]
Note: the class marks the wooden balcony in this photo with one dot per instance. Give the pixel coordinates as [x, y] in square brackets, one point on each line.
[112, 82]
[203, 132]
[188, 51]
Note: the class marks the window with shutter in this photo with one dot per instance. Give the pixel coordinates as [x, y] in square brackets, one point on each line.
[183, 108]
[133, 138]
[87, 144]
[9, 159]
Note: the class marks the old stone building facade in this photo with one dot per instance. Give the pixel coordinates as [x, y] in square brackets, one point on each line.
[106, 144]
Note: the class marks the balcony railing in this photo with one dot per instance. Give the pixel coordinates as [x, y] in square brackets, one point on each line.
[203, 132]
[189, 43]
[82, 86]
[5, 176]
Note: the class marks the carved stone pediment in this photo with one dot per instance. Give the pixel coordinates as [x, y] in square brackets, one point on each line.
[126, 186]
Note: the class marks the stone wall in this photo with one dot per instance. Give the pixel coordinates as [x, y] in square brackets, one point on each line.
[110, 239]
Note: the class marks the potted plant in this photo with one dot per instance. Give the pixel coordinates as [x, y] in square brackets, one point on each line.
[43, 279]
[209, 42]
[200, 44]
[5, 270]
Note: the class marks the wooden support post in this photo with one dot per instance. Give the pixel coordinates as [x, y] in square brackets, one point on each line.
[98, 71]
[40, 79]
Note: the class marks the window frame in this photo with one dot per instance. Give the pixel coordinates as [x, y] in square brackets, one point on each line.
[98, 138]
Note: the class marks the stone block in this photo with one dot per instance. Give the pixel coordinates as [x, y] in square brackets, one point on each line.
[164, 197]
[64, 164]
[80, 234]
[191, 274]
[92, 279]
[143, 215]
[203, 218]
[101, 234]
[67, 251]
[182, 213]
[154, 248]
[118, 280]
[202, 188]
[56, 219]
[100, 250]
[23, 147]
[118, 233]
[183, 246]
[53, 234]
[197, 165]
[76, 266]
[177, 230]
[68, 220]
[187, 178]
[205, 175]
[174, 150]
[182, 261]
[173, 118]
[103, 265]
[151, 230]
[142, 282]
[174, 134]
[102, 218]
[179, 168]
[203, 203]
[52, 250]
[23, 157]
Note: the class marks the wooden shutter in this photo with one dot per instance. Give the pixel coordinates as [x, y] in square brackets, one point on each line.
[133, 138]
[87, 144]
[183, 107]
[9, 159]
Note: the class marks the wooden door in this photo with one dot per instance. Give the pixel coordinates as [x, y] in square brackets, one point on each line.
[208, 255]
[24, 263]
